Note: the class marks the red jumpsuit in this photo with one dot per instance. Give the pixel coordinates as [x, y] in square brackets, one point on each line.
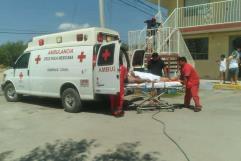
[192, 85]
[116, 101]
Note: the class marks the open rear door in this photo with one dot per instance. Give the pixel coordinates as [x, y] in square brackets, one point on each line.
[138, 60]
[107, 69]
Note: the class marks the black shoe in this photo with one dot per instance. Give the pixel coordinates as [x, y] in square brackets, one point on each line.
[197, 109]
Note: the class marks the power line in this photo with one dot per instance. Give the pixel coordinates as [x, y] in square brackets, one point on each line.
[140, 7]
[150, 7]
[131, 5]
[143, 3]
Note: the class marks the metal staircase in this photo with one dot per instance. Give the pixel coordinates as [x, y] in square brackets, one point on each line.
[167, 42]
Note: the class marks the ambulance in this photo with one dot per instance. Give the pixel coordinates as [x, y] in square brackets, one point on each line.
[74, 66]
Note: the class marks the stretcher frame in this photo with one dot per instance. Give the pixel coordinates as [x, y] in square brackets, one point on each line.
[152, 100]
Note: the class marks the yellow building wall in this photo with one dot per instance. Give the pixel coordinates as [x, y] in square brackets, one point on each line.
[218, 44]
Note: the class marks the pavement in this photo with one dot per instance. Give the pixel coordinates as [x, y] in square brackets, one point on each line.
[39, 129]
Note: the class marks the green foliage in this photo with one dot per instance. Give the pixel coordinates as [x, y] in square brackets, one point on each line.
[10, 51]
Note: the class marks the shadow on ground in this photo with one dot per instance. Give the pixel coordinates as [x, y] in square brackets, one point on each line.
[5, 155]
[88, 106]
[127, 152]
[98, 107]
[81, 151]
[45, 102]
[60, 151]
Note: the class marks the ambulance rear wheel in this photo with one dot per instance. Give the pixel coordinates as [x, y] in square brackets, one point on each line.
[71, 100]
[10, 93]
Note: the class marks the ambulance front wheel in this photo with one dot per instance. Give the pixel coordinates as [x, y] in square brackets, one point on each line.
[10, 93]
[71, 100]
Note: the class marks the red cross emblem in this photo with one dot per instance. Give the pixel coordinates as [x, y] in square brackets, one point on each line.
[20, 75]
[37, 59]
[81, 57]
[106, 55]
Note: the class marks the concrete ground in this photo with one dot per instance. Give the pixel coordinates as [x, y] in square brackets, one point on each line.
[39, 129]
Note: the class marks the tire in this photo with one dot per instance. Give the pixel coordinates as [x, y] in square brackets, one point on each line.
[10, 93]
[71, 100]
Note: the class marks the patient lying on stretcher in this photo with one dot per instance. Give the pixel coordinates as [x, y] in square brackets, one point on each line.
[142, 77]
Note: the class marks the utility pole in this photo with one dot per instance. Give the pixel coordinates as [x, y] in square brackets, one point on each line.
[102, 13]
[159, 5]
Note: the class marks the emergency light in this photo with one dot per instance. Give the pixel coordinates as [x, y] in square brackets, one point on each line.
[79, 37]
[100, 37]
[108, 38]
[59, 39]
[86, 37]
[41, 42]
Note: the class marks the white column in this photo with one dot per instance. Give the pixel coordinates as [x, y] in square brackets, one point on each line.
[159, 5]
[102, 13]
[178, 33]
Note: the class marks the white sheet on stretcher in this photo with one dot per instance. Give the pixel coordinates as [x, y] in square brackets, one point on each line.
[147, 76]
[156, 85]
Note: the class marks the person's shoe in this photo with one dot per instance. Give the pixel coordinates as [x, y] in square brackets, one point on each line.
[197, 109]
[119, 114]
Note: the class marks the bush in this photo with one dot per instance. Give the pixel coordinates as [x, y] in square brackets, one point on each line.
[10, 51]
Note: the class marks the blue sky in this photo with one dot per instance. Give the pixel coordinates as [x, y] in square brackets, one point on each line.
[57, 15]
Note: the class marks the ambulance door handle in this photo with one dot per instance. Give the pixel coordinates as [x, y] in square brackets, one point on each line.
[117, 76]
[28, 72]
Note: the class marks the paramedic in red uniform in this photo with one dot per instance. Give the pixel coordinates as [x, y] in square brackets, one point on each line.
[190, 79]
[116, 101]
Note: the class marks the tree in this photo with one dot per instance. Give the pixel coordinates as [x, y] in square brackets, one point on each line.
[10, 51]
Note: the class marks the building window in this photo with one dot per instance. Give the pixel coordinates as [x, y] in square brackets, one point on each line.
[198, 48]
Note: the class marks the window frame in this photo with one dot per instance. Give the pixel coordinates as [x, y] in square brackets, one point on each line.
[16, 64]
[112, 56]
[199, 55]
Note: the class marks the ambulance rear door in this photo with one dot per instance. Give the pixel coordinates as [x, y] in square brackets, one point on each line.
[107, 69]
[138, 60]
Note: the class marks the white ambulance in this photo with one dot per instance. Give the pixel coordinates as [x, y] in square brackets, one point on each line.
[74, 66]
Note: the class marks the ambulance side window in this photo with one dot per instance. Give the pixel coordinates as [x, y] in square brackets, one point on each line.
[106, 55]
[22, 61]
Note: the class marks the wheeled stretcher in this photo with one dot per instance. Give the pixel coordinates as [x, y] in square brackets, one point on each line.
[150, 94]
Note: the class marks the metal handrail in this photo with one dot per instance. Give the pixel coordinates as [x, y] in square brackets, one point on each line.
[211, 3]
[228, 11]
